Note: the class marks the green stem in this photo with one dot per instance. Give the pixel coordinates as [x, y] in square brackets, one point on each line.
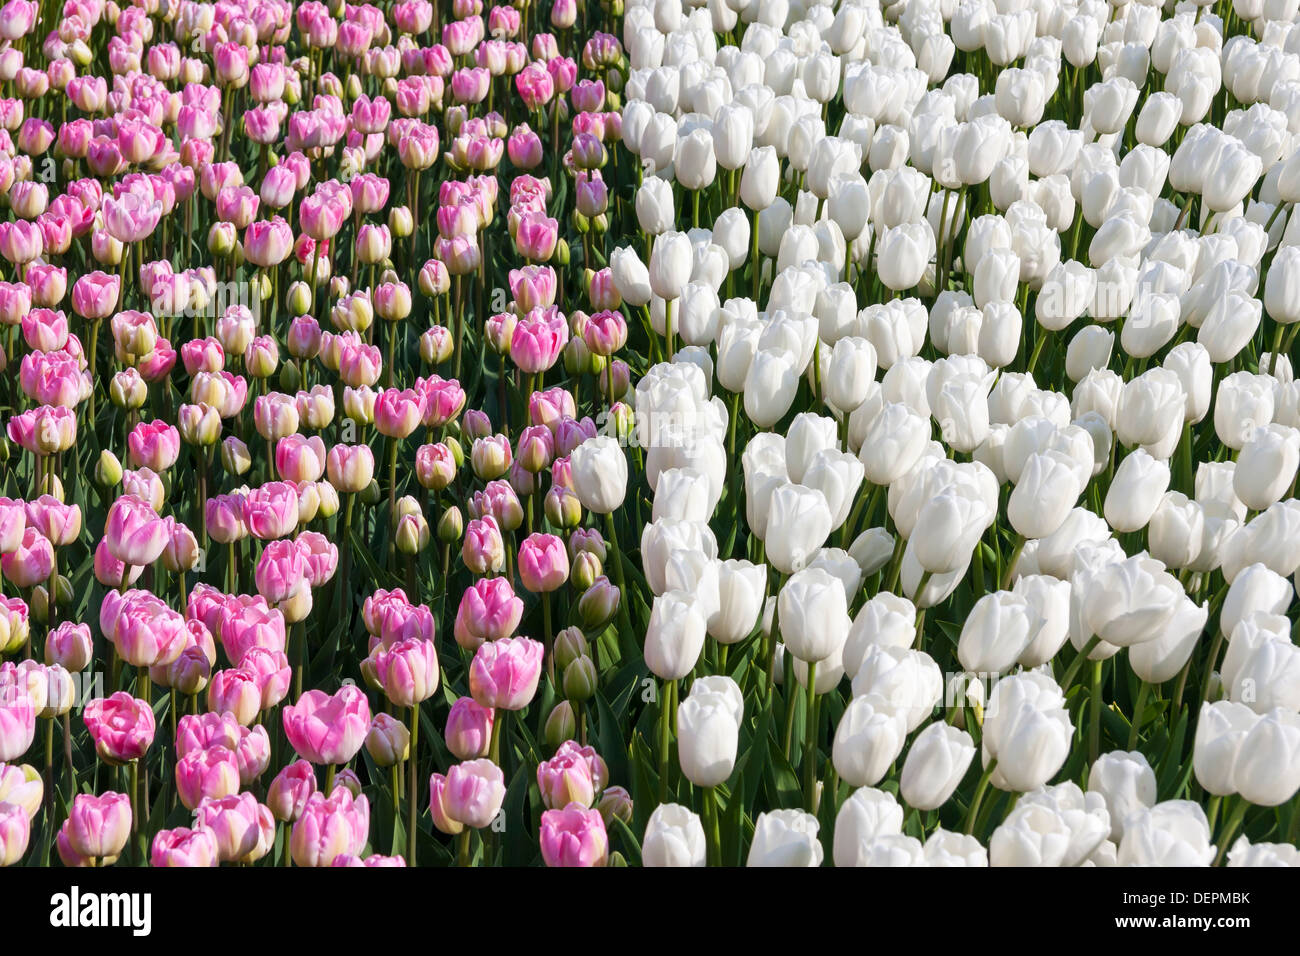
[1230, 828]
[1144, 690]
[979, 795]
[713, 811]
[810, 743]
[1094, 715]
[412, 784]
[1215, 646]
[665, 735]
[1068, 677]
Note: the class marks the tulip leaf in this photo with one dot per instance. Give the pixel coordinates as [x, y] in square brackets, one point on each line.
[631, 844]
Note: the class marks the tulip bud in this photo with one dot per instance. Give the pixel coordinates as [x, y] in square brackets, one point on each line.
[412, 534]
[400, 221]
[586, 569]
[580, 679]
[108, 470]
[562, 508]
[570, 644]
[561, 725]
[388, 742]
[598, 604]
[451, 525]
[235, 458]
[615, 803]
[298, 298]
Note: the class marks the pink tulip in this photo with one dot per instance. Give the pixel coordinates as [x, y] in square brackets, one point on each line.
[375, 860]
[46, 430]
[473, 792]
[253, 754]
[17, 716]
[398, 412]
[289, 791]
[329, 827]
[207, 731]
[52, 378]
[500, 500]
[274, 414]
[15, 833]
[382, 605]
[271, 673]
[320, 555]
[536, 448]
[144, 631]
[184, 847]
[469, 729]
[49, 284]
[489, 611]
[134, 533]
[483, 549]
[203, 355]
[45, 330]
[504, 673]
[543, 563]
[407, 671]
[281, 571]
[574, 836]
[536, 237]
[327, 729]
[525, 148]
[121, 726]
[32, 562]
[443, 400]
[350, 467]
[13, 521]
[271, 511]
[435, 466]
[154, 445]
[566, 779]
[98, 826]
[70, 646]
[535, 86]
[403, 622]
[550, 406]
[235, 691]
[244, 829]
[224, 517]
[490, 455]
[111, 572]
[204, 774]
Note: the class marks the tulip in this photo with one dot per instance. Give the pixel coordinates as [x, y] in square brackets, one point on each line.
[674, 837]
[1126, 782]
[708, 734]
[1027, 731]
[599, 474]
[98, 826]
[504, 673]
[121, 726]
[868, 739]
[204, 774]
[996, 633]
[325, 729]
[329, 827]
[785, 838]
[574, 836]
[935, 765]
[473, 793]
[184, 847]
[674, 635]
